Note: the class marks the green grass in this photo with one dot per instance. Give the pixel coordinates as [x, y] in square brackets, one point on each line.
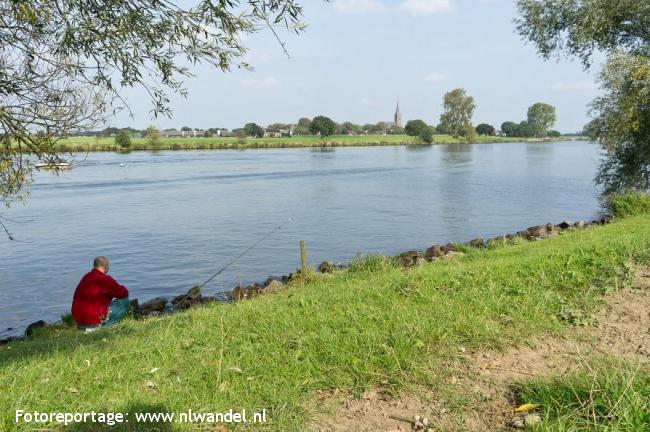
[375, 324]
[629, 204]
[84, 144]
[611, 395]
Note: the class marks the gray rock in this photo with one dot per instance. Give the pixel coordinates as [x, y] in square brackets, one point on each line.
[34, 326]
[536, 232]
[272, 287]
[409, 259]
[434, 252]
[326, 267]
[477, 243]
[579, 224]
[157, 304]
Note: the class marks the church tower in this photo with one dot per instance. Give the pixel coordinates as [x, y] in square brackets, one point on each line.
[398, 116]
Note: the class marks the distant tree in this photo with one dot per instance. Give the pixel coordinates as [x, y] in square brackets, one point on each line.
[426, 135]
[510, 129]
[123, 139]
[254, 130]
[396, 130]
[367, 127]
[541, 117]
[414, 127]
[322, 125]
[524, 130]
[375, 129]
[441, 129]
[351, 128]
[301, 130]
[186, 129]
[280, 126]
[553, 134]
[458, 109]
[239, 132]
[304, 122]
[208, 133]
[485, 129]
[152, 135]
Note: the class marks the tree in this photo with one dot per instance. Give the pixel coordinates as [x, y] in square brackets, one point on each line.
[322, 125]
[458, 109]
[254, 130]
[351, 128]
[426, 135]
[553, 134]
[524, 130]
[187, 129]
[396, 130]
[152, 136]
[620, 120]
[304, 122]
[208, 133]
[622, 123]
[414, 127]
[510, 129]
[541, 117]
[63, 63]
[582, 27]
[123, 139]
[485, 129]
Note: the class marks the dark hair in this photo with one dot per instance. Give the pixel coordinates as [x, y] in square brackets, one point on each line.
[100, 261]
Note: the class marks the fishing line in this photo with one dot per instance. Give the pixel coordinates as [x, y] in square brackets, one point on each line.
[244, 253]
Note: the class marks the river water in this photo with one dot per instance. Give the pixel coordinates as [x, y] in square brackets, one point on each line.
[168, 220]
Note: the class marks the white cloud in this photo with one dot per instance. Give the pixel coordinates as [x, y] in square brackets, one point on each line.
[435, 77]
[575, 86]
[359, 6]
[269, 82]
[424, 7]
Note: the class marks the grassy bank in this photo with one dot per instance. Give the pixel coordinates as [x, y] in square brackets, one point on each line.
[373, 324]
[84, 144]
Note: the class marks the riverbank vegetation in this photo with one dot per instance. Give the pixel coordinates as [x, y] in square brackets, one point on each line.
[374, 324]
[85, 144]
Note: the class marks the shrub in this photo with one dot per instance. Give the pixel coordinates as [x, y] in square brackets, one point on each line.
[630, 204]
[123, 139]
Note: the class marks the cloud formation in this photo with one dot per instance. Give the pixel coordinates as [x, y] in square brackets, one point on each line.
[268, 82]
[435, 77]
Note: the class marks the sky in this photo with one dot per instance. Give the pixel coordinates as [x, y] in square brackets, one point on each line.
[358, 57]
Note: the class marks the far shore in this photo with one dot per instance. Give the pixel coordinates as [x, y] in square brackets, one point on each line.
[100, 144]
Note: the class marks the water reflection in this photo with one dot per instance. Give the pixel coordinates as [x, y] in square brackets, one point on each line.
[457, 153]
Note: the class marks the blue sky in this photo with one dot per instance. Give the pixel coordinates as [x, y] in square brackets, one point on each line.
[358, 57]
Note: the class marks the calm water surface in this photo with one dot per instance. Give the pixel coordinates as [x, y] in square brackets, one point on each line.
[168, 220]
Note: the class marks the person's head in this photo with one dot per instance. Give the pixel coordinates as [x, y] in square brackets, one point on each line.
[101, 264]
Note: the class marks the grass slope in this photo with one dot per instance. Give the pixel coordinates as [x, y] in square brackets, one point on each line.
[374, 324]
[84, 144]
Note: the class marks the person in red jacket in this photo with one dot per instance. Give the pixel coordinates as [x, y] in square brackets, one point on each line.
[99, 300]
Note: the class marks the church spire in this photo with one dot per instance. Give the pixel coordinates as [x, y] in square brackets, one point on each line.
[398, 116]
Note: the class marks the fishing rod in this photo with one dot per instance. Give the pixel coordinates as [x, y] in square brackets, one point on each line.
[244, 253]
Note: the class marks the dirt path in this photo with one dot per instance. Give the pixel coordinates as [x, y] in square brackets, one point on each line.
[621, 329]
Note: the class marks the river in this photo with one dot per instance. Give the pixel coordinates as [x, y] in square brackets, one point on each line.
[168, 220]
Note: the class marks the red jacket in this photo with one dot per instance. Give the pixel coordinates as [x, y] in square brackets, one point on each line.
[93, 295]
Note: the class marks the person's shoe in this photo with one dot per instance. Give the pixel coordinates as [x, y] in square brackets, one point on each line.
[91, 329]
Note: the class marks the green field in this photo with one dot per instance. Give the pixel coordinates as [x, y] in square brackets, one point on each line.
[373, 324]
[85, 144]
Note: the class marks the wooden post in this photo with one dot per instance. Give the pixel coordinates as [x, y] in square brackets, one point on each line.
[303, 261]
